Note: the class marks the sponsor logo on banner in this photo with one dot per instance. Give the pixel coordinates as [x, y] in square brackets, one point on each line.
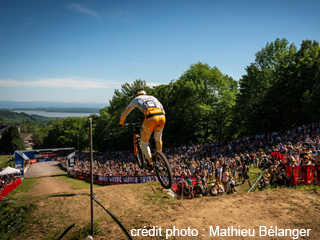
[18, 165]
[71, 162]
[126, 179]
[49, 155]
[113, 179]
[45, 155]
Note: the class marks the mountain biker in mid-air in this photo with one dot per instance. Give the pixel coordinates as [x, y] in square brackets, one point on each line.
[154, 121]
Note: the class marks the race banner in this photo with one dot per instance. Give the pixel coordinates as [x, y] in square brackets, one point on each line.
[308, 177]
[122, 180]
[303, 174]
[277, 155]
[5, 191]
[317, 168]
[126, 179]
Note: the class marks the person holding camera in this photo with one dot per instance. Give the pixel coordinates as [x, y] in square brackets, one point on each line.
[212, 191]
[188, 190]
[199, 189]
[231, 186]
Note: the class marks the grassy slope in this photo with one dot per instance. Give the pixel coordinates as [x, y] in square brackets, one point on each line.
[26, 186]
[244, 188]
[4, 161]
[78, 184]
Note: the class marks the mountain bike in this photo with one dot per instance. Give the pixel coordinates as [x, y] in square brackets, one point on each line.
[160, 162]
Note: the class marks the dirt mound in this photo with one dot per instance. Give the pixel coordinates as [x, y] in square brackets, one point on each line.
[138, 206]
[281, 208]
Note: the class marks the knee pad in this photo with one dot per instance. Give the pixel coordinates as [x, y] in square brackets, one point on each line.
[159, 145]
[145, 149]
[143, 144]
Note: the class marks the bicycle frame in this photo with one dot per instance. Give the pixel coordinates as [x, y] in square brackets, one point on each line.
[136, 136]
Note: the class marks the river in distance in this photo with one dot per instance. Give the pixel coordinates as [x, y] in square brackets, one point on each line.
[57, 114]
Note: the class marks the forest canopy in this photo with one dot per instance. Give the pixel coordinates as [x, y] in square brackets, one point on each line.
[279, 90]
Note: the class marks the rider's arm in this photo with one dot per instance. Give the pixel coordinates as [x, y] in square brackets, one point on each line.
[132, 105]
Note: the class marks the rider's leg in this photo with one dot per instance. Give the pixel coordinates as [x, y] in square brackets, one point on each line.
[146, 150]
[158, 132]
[146, 131]
[154, 123]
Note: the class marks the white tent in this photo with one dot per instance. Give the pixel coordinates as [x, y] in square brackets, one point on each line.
[9, 170]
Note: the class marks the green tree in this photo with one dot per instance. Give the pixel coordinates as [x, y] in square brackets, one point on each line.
[198, 108]
[11, 141]
[260, 95]
[280, 89]
[65, 133]
[290, 99]
[307, 72]
[39, 136]
[199, 105]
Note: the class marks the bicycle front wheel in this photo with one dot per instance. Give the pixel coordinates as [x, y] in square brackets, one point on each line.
[162, 169]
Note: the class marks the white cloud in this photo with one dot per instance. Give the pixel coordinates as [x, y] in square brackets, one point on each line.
[149, 84]
[154, 84]
[70, 82]
[80, 9]
[76, 83]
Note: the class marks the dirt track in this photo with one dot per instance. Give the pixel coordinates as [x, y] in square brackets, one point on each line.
[47, 182]
[43, 169]
[136, 206]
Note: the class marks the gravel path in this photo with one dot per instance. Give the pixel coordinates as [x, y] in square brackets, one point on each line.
[43, 169]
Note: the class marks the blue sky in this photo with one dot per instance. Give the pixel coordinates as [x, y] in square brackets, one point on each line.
[81, 51]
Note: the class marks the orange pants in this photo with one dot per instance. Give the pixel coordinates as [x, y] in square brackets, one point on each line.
[156, 124]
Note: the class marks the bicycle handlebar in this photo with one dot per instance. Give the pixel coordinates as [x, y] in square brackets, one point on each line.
[133, 124]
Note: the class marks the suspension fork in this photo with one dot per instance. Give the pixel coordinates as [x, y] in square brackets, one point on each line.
[136, 139]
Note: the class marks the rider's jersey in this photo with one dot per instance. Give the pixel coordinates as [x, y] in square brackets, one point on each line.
[149, 105]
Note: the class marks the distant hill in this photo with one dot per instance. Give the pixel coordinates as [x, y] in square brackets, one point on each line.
[9, 117]
[60, 110]
[47, 104]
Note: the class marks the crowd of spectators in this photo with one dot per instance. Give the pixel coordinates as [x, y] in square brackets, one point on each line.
[219, 166]
[110, 164]
[6, 180]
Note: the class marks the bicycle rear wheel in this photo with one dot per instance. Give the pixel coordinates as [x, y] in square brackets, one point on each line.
[139, 156]
[162, 169]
